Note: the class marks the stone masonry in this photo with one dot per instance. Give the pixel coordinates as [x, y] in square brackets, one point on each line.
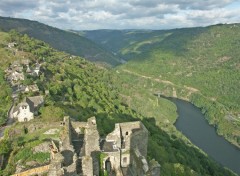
[80, 152]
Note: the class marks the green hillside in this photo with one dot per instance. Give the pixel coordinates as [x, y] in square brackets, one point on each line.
[197, 64]
[60, 39]
[81, 89]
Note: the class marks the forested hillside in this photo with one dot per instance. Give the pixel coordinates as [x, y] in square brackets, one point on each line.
[60, 39]
[81, 89]
[197, 64]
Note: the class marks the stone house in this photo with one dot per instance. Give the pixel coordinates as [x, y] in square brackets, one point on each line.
[16, 76]
[35, 103]
[34, 71]
[31, 88]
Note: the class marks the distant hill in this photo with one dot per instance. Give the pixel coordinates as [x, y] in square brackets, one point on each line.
[129, 44]
[200, 64]
[60, 39]
[116, 40]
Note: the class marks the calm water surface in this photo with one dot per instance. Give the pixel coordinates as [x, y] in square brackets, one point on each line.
[191, 123]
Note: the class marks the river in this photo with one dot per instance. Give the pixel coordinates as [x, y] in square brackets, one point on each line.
[192, 123]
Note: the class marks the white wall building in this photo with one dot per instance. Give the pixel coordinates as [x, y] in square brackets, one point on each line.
[22, 112]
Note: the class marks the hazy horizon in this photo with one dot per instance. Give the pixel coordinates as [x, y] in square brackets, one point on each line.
[118, 15]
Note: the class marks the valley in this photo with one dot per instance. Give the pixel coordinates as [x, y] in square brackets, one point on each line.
[200, 65]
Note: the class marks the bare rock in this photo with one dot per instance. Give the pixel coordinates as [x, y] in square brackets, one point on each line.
[52, 131]
[19, 167]
[32, 163]
[43, 147]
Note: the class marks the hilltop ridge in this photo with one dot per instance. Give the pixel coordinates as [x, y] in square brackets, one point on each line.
[60, 39]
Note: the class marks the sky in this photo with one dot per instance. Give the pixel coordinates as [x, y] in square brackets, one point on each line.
[123, 14]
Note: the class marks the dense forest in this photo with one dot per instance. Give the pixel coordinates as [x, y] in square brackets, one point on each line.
[82, 89]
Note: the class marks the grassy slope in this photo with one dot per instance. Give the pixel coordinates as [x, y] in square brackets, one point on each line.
[82, 89]
[60, 39]
[198, 64]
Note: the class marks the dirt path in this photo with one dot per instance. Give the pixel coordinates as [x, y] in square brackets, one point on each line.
[148, 77]
[189, 89]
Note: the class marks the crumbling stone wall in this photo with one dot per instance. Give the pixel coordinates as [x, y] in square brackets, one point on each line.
[91, 148]
[135, 135]
[55, 167]
[115, 136]
[66, 135]
[114, 158]
[34, 171]
[87, 166]
[91, 137]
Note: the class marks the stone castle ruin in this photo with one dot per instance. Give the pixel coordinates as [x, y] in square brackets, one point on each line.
[125, 151]
[81, 152]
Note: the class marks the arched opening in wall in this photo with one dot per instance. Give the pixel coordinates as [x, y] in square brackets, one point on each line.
[108, 167]
[126, 133]
[25, 119]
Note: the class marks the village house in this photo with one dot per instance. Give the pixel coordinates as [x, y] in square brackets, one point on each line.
[35, 103]
[20, 88]
[35, 71]
[26, 110]
[33, 88]
[14, 73]
[14, 77]
[12, 45]
[22, 112]
[29, 88]
[37, 68]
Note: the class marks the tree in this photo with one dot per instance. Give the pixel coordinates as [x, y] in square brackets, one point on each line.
[5, 146]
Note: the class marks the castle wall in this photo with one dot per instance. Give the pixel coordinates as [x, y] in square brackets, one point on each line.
[135, 135]
[91, 147]
[87, 166]
[125, 149]
[115, 136]
[115, 159]
[125, 158]
[67, 136]
[91, 137]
